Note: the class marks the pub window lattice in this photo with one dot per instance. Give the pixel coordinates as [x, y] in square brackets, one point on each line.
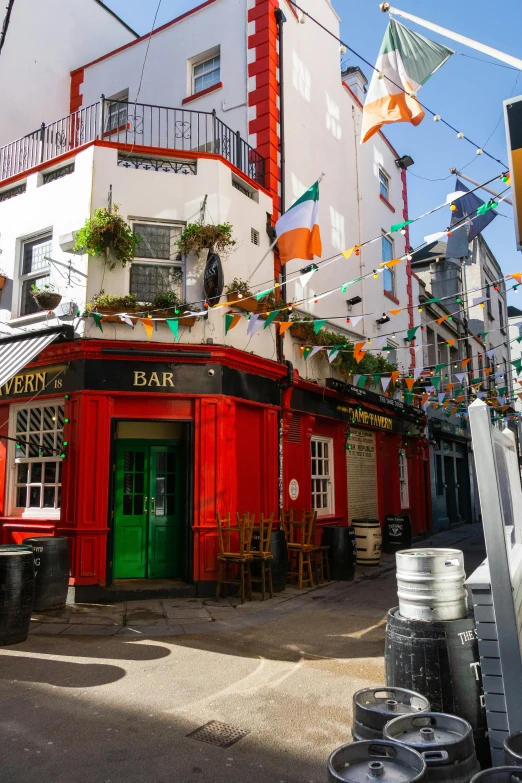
[149, 280]
[254, 236]
[37, 461]
[168, 165]
[35, 270]
[5, 195]
[158, 244]
[322, 475]
[51, 176]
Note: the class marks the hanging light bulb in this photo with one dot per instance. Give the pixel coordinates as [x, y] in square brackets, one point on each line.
[453, 207]
[436, 118]
[409, 258]
[419, 309]
[480, 152]
[515, 289]
[460, 135]
[393, 335]
[375, 274]
[342, 49]
[240, 296]
[380, 75]
[302, 19]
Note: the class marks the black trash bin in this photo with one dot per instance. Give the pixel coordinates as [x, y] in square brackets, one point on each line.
[16, 593]
[51, 568]
[279, 561]
[342, 553]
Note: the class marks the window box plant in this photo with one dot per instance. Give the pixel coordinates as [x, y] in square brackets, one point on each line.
[169, 305]
[108, 234]
[240, 296]
[108, 305]
[303, 331]
[47, 297]
[197, 237]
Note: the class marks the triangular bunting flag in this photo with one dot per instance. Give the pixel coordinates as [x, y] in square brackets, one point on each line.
[483, 335]
[444, 317]
[231, 320]
[251, 323]
[148, 325]
[385, 382]
[97, 317]
[358, 353]
[451, 343]
[490, 353]
[376, 379]
[439, 367]
[332, 353]
[348, 253]
[460, 376]
[440, 396]
[517, 364]
[173, 324]
[434, 237]
[126, 319]
[304, 279]
[396, 312]
[394, 262]
[409, 382]
[354, 320]
[361, 381]
[435, 382]
[318, 325]
[284, 325]
[411, 333]
[464, 363]
[516, 276]
[395, 375]
[261, 294]
[397, 226]
[432, 301]
[315, 350]
[256, 326]
[417, 372]
[271, 317]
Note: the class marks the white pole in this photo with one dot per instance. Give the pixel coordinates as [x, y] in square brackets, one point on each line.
[496, 53]
[482, 187]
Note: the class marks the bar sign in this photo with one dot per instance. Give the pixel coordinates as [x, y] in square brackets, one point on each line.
[513, 120]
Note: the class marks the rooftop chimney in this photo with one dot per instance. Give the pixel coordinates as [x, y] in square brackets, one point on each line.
[356, 81]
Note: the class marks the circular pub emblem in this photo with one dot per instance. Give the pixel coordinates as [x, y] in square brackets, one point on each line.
[293, 489]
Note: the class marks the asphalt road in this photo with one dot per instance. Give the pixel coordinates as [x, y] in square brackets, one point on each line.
[118, 710]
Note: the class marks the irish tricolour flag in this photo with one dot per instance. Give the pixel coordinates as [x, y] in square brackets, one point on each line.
[298, 234]
[406, 61]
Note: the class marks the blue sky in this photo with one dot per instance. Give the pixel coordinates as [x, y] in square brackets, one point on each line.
[466, 92]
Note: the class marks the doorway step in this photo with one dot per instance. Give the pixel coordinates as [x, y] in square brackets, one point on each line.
[130, 590]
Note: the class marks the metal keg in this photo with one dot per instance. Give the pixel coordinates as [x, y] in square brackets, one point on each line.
[445, 742]
[377, 760]
[513, 749]
[431, 584]
[499, 775]
[374, 707]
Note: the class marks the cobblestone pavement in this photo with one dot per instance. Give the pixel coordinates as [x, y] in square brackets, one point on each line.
[179, 616]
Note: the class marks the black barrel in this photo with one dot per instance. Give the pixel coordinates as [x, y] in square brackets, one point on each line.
[513, 749]
[51, 569]
[499, 775]
[445, 742]
[376, 760]
[16, 593]
[279, 561]
[440, 659]
[373, 708]
[396, 533]
[342, 554]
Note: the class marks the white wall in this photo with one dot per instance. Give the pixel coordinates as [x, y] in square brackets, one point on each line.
[44, 42]
[58, 207]
[166, 79]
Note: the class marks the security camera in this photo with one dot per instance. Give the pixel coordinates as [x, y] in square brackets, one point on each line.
[211, 373]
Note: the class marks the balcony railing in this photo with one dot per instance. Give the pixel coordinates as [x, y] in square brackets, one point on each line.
[137, 125]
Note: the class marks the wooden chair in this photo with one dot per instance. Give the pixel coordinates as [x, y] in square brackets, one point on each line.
[320, 554]
[300, 548]
[263, 555]
[235, 543]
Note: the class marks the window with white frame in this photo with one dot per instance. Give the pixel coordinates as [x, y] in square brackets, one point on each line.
[403, 479]
[36, 478]
[117, 111]
[206, 73]
[322, 475]
[388, 273]
[384, 184]
[158, 267]
[35, 269]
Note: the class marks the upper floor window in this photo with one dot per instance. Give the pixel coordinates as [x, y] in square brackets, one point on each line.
[35, 269]
[487, 293]
[117, 111]
[158, 268]
[389, 273]
[206, 73]
[501, 314]
[35, 458]
[384, 185]
[322, 475]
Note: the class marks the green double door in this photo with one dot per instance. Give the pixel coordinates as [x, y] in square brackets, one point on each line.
[147, 510]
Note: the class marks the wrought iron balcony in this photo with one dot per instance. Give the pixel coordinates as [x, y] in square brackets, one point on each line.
[137, 125]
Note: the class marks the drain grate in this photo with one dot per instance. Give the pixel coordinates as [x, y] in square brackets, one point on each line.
[216, 733]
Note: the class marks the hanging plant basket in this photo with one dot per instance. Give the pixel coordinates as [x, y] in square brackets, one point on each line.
[47, 300]
[248, 303]
[300, 331]
[110, 313]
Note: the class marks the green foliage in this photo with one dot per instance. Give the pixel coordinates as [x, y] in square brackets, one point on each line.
[370, 364]
[196, 237]
[238, 286]
[48, 288]
[166, 300]
[108, 301]
[105, 231]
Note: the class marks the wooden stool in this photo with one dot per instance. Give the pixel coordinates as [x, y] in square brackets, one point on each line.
[300, 549]
[263, 555]
[235, 552]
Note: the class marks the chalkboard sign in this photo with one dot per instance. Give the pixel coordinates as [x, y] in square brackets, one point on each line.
[396, 533]
[213, 280]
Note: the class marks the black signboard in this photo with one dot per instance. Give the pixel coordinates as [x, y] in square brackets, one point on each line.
[396, 533]
[213, 279]
[366, 395]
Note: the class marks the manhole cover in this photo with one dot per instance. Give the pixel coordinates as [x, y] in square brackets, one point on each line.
[216, 733]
